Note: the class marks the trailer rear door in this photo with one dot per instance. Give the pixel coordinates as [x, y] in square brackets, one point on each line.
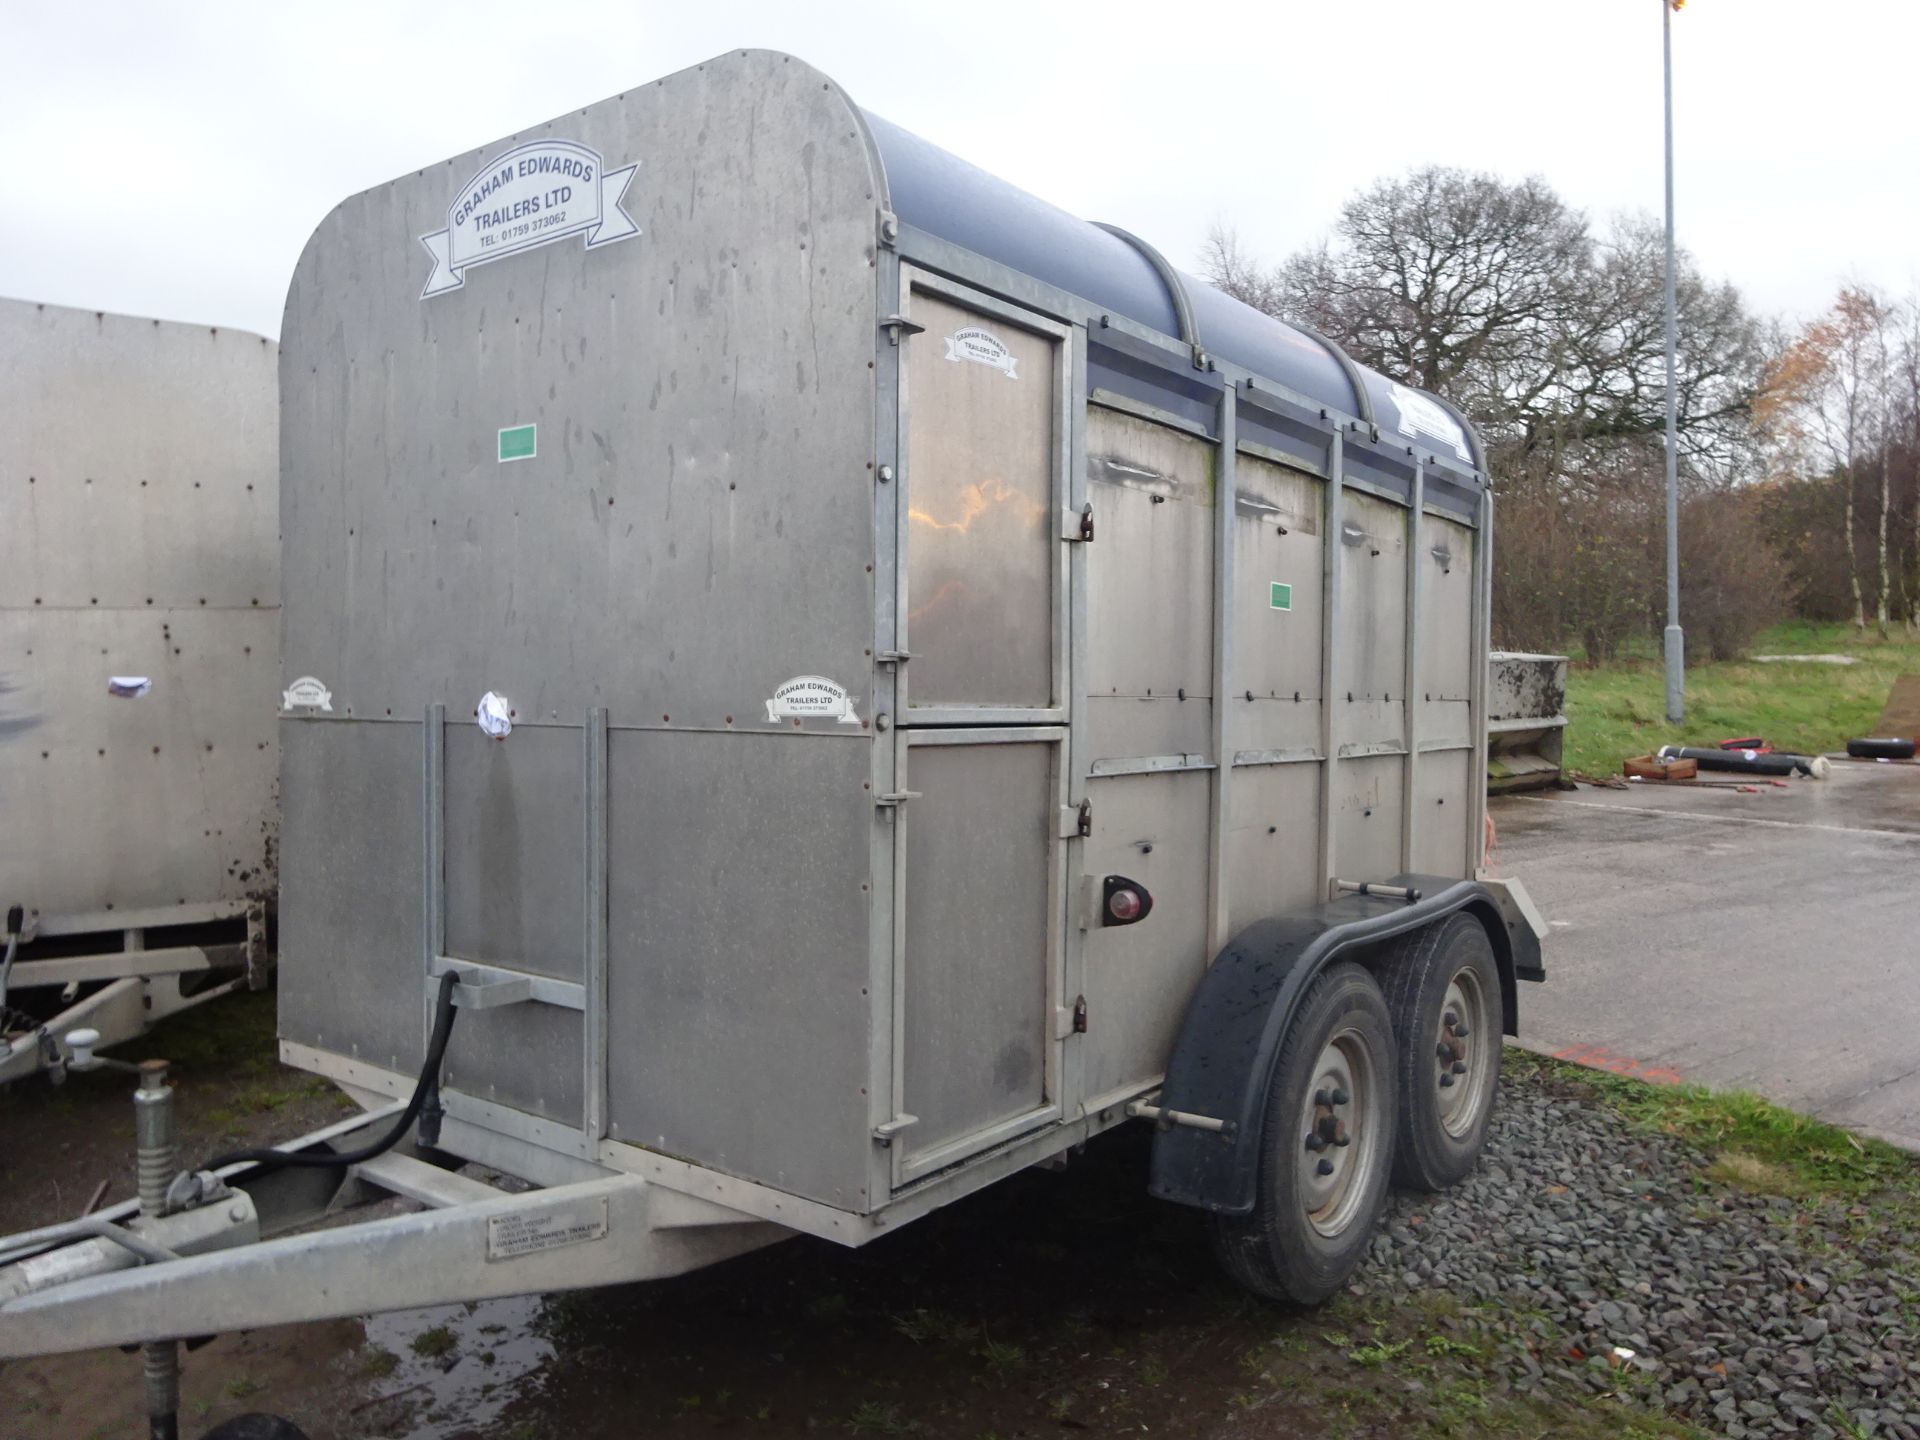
[981, 743]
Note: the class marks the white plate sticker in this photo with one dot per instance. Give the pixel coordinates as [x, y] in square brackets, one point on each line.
[531, 196]
[982, 347]
[307, 693]
[1423, 415]
[811, 697]
[128, 687]
[547, 1226]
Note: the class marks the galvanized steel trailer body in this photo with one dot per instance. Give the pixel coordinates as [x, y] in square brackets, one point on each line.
[139, 666]
[855, 562]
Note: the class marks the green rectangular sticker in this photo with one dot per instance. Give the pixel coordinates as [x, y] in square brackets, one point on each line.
[1281, 596]
[517, 443]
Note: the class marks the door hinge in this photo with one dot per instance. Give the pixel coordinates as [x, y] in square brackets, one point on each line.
[1077, 524]
[896, 798]
[883, 1134]
[1076, 821]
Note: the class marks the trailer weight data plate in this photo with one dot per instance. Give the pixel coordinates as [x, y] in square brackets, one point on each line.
[547, 1227]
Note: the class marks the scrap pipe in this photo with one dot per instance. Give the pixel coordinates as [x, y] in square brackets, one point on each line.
[1748, 762]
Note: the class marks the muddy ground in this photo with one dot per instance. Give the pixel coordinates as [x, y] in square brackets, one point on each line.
[1053, 1303]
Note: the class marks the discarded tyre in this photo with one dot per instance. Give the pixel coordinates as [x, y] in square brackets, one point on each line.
[1881, 749]
[1442, 988]
[1326, 1146]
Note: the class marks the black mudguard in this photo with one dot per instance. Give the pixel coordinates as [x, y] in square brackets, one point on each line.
[1222, 1062]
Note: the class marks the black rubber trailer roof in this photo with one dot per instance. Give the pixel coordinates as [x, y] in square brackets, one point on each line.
[944, 196]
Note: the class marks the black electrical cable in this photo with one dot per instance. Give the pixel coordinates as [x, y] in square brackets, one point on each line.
[425, 1090]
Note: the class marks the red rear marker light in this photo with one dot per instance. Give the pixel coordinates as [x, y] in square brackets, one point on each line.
[1123, 901]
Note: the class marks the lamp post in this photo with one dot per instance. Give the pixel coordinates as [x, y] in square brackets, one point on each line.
[1675, 642]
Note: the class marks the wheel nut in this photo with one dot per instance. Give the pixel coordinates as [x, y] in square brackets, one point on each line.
[1340, 1097]
[1459, 1068]
[1320, 1097]
[1324, 1168]
[1461, 1032]
[1316, 1142]
[1444, 1050]
[1446, 1082]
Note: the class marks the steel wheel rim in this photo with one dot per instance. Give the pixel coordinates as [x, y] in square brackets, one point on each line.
[1463, 1054]
[1333, 1200]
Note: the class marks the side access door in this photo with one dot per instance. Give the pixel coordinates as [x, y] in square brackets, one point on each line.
[981, 739]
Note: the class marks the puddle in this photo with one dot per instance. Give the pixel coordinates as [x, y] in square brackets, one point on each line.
[459, 1366]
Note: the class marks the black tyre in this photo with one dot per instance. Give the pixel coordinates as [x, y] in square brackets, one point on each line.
[1881, 749]
[1443, 990]
[1326, 1146]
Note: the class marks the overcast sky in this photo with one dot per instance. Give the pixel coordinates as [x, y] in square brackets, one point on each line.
[170, 158]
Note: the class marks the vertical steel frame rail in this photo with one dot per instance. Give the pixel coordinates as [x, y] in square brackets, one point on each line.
[886, 858]
[1334, 547]
[1225, 491]
[1411, 682]
[593, 1019]
[433, 853]
[1477, 694]
[1079, 756]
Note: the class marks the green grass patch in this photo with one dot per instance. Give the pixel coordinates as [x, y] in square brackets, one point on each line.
[432, 1344]
[1619, 709]
[1756, 1144]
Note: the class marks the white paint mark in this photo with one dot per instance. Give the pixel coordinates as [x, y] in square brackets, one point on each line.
[494, 716]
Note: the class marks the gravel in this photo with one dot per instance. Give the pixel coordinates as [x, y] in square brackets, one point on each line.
[1577, 1240]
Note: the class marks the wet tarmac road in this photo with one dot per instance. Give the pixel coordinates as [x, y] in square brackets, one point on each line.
[1766, 942]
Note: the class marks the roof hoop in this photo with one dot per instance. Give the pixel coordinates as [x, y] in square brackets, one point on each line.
[1176, 291]
[1360, 397]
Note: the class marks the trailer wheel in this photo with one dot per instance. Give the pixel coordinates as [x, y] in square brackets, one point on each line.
[1325, 1146]
[1443, 989]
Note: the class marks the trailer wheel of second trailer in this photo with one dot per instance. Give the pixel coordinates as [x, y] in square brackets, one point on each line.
[1326, 1145]
[1442, 985]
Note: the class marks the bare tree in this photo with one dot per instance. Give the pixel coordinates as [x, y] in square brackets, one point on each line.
[1906, 422]
[1501, 296]
[1826, 401]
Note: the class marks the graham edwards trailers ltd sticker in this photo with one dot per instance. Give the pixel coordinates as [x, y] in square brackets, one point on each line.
[531, 196]
[982, 347]
[811, 697]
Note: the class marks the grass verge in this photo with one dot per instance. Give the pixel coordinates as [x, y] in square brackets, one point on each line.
[1619, 709]
[1755, 1144]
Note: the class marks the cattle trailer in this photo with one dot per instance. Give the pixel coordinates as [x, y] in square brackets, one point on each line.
[841, 682]
[139, 633]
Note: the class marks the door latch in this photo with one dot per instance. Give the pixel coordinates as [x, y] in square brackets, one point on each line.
[1080, 1015]
[896, 798]
[883, 1134]
[898, 327]
[1077, 524]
